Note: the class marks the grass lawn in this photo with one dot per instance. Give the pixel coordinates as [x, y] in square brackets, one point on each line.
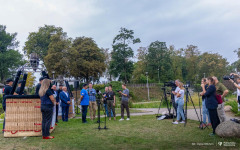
[141, 132]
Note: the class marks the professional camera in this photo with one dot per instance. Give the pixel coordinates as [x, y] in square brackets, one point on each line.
[170, 84]
[118, 90]
[228, 77]
[187, 85]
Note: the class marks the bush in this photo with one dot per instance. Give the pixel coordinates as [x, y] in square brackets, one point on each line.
[234, 106]
[2, 116]
[1, 98]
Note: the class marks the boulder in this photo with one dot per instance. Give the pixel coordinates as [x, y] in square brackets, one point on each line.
[227, 108]
[228, 129]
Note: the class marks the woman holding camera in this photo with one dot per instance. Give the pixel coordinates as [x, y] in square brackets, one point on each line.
[237, 85]
[211, 103]
[180, 102]
[47, 102]
[205, 112]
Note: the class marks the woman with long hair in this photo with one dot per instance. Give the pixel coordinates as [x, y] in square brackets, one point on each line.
[47, 103]
[180, 102]
[211, 103]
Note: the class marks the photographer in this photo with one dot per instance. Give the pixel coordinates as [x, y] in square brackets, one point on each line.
[204, 108]
[237, 85]
[124, 102]
[111, 102]
[105, 102]
[175, 94]
[211, 102]
[221, 92]
[180, 102]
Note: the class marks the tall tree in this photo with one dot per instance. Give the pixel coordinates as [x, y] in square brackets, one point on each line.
[159, 62]
[39, 41]
[121, 64]
[10, 58]
[57, 59]
[86, 59]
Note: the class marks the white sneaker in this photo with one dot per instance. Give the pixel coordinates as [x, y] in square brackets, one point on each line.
[182, 122]
[121, 119]
[175, 122]
[128, 118]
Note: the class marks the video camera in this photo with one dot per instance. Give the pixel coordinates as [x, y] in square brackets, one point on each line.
[187, 85]
[228, 77]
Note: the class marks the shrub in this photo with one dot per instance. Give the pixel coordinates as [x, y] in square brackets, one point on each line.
[2, 116]
[234, 106]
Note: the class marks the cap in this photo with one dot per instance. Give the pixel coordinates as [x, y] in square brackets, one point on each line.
[9, 80]
[60, 84]
[40, 79]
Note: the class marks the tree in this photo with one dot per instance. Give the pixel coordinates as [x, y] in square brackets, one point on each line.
[212, 64]
[159, 62]
[10, 59]
[58, 51]
[86, 59]
[39, 41]
[30, 80]
[121, 64]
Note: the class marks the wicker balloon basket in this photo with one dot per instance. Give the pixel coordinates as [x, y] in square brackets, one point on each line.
[23, 116]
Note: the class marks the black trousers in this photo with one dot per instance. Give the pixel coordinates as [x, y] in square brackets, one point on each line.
[47, 112]
[84, 113]
[214, 118]
[57, 113]
[65, 111]
[4, 108]
[124, 104]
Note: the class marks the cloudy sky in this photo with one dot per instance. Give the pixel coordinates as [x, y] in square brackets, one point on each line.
[212, 25]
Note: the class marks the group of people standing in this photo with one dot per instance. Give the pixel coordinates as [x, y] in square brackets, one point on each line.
[88, 99]
[213, 94]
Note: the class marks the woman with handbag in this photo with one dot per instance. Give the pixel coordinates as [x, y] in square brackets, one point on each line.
[211, 103]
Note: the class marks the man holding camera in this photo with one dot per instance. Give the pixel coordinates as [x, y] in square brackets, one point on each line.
[221, 92]
[92, 101]
[124, 102]
[111, 102]
[237, 85]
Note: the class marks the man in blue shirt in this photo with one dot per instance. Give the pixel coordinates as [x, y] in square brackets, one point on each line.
[84, 101]
[92, 101]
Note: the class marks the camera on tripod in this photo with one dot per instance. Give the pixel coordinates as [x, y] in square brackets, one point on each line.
[187, 85]
[170, 84]
[228, 77]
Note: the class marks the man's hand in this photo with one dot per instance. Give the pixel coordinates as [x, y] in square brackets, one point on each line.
[68, 102]
[174, 92]
[201, 94]
[57, 103]
[231, 80]
[114, 104]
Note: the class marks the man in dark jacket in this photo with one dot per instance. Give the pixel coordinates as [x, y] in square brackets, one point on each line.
[19, 87]
[65, 102]
[39, 85]
[58, 100]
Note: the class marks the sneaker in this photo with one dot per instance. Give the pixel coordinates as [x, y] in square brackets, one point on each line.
[128, 118]
[175, 122]
[121, 119]
[182, 122]
[212, 134]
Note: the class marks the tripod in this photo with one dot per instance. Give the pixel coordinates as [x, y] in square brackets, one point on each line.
[188, 96]
[164, 98]
[201, 122]
[104, 111]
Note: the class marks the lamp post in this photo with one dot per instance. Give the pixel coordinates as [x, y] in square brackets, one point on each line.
[158, 76]
[204, 75]
[53, 72]
[147, 85]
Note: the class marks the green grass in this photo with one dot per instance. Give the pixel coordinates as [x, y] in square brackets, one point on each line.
[141, 132]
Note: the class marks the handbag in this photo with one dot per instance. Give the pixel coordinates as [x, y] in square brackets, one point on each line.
[219, 99]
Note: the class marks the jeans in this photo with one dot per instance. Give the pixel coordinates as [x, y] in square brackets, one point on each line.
[65, 111]
[124, 104]
[205, 113]
[106, 110]
[47, 112]
[84, 113]
[180, 110]
[111, 107]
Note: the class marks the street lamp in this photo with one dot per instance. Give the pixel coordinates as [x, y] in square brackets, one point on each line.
[147, 85]
[204, 75]
[158, 76]
[53, 72]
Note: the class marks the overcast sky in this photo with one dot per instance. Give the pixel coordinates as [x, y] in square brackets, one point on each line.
[212, 25]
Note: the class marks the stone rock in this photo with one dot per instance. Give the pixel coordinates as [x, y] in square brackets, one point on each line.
[227, 108]
[228, 129]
